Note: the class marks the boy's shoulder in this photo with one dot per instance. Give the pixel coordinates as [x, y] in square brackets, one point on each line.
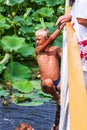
[54, 47]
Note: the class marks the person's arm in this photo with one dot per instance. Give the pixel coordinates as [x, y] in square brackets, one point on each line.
[82, 21]
[81, 12]
[49, 40]
[63, 19]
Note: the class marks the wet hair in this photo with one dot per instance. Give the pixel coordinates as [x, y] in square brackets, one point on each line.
[24, 126]
[43, 32]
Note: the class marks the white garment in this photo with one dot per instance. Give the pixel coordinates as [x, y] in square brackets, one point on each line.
[79, 10]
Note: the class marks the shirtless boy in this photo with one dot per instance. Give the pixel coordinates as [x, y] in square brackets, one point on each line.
[47, 57]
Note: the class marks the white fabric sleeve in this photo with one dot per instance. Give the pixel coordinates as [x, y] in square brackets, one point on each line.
[81, 9]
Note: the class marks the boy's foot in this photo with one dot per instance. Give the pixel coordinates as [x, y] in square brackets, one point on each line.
[54, 127]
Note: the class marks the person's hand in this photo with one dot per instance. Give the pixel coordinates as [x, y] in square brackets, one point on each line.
[63, 19]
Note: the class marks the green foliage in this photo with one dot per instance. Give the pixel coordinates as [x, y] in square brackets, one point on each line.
[19, 19]
[1, 67]
[17, 71]
[28, 93]
[23, 86]
[26, 50]
[46, 12]
[3, 92]
[12, 43]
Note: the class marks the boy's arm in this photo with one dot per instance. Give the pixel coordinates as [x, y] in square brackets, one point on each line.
[49, 40]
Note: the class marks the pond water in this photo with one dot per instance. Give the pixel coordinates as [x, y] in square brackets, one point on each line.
[40, 117]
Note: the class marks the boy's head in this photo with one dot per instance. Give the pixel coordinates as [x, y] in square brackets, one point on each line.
[41, 36]
[43, 32]
[24, 126]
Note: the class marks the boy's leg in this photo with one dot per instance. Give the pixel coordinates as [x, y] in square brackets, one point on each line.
[57, 115]
[57, 118]
[48, 87]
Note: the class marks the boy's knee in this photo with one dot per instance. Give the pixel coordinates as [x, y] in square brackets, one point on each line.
[46, 85]
[47, 82]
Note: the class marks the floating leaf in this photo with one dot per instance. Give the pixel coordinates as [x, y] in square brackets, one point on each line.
[30, 103]
[23, 86]
[30, 100]
[34, 98]
[3, 92]
[36, 84]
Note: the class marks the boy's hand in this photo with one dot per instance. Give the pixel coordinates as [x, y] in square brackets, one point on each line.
[60, 26]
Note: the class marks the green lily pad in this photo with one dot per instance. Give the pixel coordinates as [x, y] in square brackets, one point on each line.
[27, 50]
[46, 12]
[23, 86]
[10, 43]
[36, 84]
[17, 71]
[30, 104]
[3, 92]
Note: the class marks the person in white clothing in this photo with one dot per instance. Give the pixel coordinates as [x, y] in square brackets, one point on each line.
[78, 18]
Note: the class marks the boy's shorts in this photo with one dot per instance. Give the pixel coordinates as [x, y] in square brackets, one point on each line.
[56, 82]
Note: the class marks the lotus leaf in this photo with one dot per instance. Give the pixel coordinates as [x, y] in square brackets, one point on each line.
[32, 99]
[3, 92]
[53, 3]
[26, 50]
[23, 86]
[1, 67]
[5, 26]
[18, 18]
[36, 84]
[46, 12]
[2, 19]
[13, 2]
[30, 103]
[17, 71]
[58, 41]
[2, 9]
[10, 43]
[37, 1]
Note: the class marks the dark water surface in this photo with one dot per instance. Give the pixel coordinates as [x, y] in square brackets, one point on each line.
[40, 117]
